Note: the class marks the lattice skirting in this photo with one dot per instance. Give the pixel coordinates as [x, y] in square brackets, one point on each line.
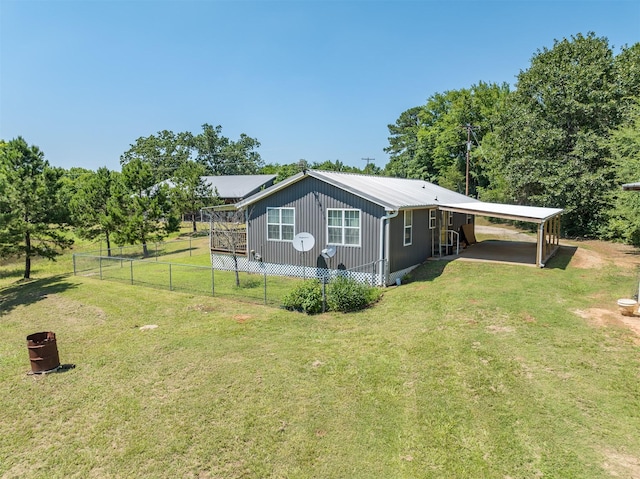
[226, 262]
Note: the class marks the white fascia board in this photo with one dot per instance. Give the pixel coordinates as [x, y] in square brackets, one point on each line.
[533, 214]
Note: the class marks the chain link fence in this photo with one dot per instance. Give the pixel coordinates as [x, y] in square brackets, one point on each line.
[168, 266]
[187, 265]
[192, 246]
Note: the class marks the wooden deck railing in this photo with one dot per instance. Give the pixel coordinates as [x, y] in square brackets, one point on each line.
[229, 240]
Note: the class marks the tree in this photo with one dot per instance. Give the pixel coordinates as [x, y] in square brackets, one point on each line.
[69, 184]
[190, 192]
[430, 142]
[283, 172]
[240, 158]
[627, 69]
[228, 233]
[141, 206]
[624, 217]
[221, 156]
[32, 216]
[550, 139]
[164, 152]
[91, 208]
[403, 144]
[329, 165]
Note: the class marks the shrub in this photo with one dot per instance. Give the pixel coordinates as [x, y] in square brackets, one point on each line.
[306, 297]
[346, 294]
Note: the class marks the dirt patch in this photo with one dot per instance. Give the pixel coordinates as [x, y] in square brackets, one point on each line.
[621, 465]
[505, 232]
[596, 254]
[607, 318]
[586, 259]
[242, 318]
[73, 311]
[494, 328]
[204, 308]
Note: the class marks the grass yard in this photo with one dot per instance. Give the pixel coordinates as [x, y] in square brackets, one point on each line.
[471, 370]
[189, 274]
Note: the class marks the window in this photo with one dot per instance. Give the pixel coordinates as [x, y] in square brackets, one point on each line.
[469, 219]
[408, 227]
[280, 224]
[343, 227]
[449, 218]
[432, 219]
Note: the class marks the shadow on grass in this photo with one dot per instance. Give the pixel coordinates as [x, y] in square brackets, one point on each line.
[426, 272]
[29, 292]
[11, 273]
[562, 258]
[162, 253]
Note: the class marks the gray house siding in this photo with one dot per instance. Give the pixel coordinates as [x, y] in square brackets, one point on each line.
[311, 198]
[401, 256]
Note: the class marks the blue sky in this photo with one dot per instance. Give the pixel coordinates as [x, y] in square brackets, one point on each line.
[314, 80]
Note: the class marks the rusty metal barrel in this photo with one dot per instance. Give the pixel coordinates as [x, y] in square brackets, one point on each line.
[43, 352]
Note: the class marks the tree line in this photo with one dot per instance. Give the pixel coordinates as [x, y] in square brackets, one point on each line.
[161, 180]
[567, 135]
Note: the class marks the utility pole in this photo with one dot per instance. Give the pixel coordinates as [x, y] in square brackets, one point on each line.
[469, 127]
[368, 160]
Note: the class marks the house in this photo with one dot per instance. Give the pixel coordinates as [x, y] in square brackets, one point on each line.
[371, 227]
[228, 188]
[234, 188]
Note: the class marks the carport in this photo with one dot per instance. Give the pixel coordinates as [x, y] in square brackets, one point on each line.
[547, 219]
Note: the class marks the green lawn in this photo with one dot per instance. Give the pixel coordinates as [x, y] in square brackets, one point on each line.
[471, 370]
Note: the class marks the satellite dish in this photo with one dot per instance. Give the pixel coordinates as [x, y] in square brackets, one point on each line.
[328, 252]
[303, 241]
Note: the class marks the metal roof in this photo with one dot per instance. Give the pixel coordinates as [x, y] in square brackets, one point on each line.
[391, 193]
[400, 193]
[233, 186]
[237, 186]
[535, 214]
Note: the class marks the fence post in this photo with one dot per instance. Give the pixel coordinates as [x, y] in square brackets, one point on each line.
[156, 251]
[190, 246]
[170, 283]
[265, 283]
[324, 294]
[212, 287]
[100, 261]
[131, 268]
[74, 264]
[373, 271]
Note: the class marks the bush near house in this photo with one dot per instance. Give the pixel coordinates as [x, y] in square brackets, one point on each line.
[346, 295]
[342, 294]
[306, 298]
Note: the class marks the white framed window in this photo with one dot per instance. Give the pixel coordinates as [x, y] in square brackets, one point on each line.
[280, 224]
[433, 219]
[469, 219]
[408, 227]
[343, 227]
[449, 218]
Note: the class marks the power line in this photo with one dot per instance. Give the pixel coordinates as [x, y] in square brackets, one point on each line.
[368, 160]
[470, 129]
